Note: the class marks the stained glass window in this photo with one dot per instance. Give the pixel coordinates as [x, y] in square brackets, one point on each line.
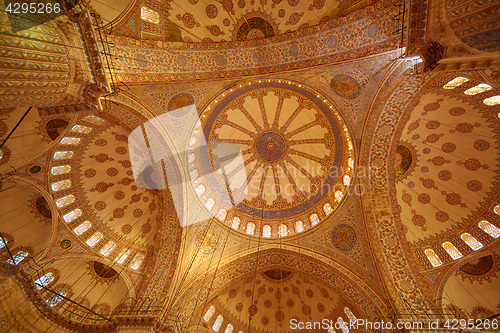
[349, 314]
[489, 228]
[338, 195]
[283, 230]
[2, 244]
[314, 219]
[149, 15]
[70, 141]
[108, 248]
[200, 189]
[81, 129]
[347, 180]
[94, 239]
[65, 200]
[236, 222]
[433, 258]
[59, 170]
[56, 298]
[71, 216]
[191, 157]
[350, 162]
[95, 120]
[221, 214]
[496, 209]
[210, 203]
[193, 173]
[44, 280]
[136, 263]
[471, 241]
[299, 226]
[209, 314]
[327, 208]
[250, 228]
[122, 256]
[61, 185]
[452, 250]
[343, 325]
[60, 155]
[82, 228]
[218, 323]
[482, 87]
[192, 141]
[455, 82]
[266, 231]
[229, 329]
[493, 100]
[18, 257]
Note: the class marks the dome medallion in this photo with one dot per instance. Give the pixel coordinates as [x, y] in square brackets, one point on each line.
[297, 151]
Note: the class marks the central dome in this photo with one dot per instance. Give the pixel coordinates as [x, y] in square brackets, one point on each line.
[297, 153]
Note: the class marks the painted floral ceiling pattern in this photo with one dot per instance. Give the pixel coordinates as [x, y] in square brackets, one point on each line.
[247, 19]
[447, 165]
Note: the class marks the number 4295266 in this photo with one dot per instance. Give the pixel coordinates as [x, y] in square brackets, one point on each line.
[33, 8]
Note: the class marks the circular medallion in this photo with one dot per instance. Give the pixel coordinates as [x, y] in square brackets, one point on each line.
[343, 237]
[345, 86]
[65, 244]
[207, 241]
[270, 146]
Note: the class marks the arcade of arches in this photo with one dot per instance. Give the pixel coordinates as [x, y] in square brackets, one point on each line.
[370, 135]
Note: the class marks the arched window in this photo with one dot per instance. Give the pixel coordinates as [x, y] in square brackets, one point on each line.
[120, 258]
[61, 185]
[82, 228]
[218, 323]
[433, 258]
[18, 257]
[94, 239]
[493, 100]
[455, 83]
[327, 208]
[59, 170]
[221, 214]
[283, 230]
[149, 15]
[229, 329]
[266, 231]
[350, 162]
[191, 157]
[338, 195]
[200, 189]
[489, 228]
[81, 129]
[61, 155]
[44, 280]
[496, 209]
[452, 250]
[192, 141]
[2, 244]
[209, 314]
[471, 241]
[482, 87]
[349, 314]
[347, 180]
[235, 223]
[250, 228]
[343, 325]
[65, 200]
[95, 120]
[314, 219]
[70, 141]
[71, 216]
[193, 174]
[108, 248]
[210, 203]
[136, 263]
[299, 226]
[56, 298]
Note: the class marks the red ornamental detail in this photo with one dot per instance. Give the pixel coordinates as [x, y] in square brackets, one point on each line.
[228, 6]
[471, 164]
[464, 128]
[275, 2]
[413, 126]
[101, 158]
[317, 4]
[428, 183]
[188, 20]
[432, 107]
[212, 11]
[120, 137]
[442, 216]
[454, 199]
[101, 187]
[215, 30]
[419, 221]
[432, 138]
[481, 145]
[438, 160]
[294, 18]
[136, 198]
